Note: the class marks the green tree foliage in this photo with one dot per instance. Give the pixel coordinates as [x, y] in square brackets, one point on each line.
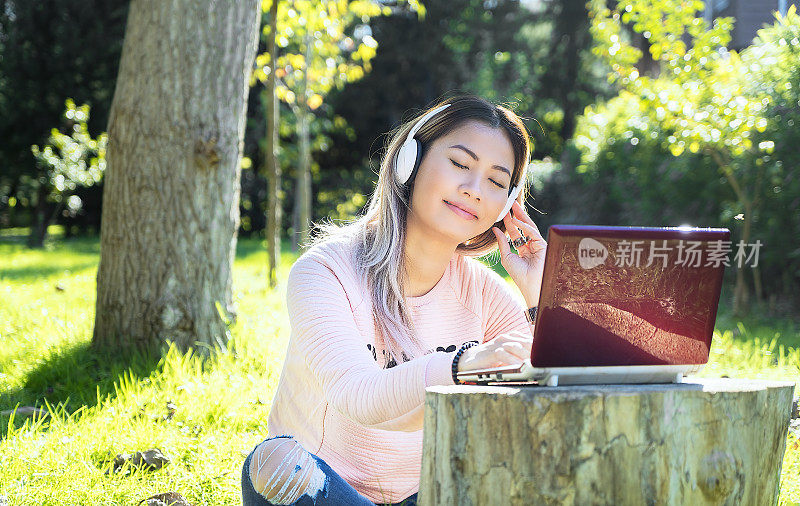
[71, 160]
[50, 51]
[337, 57]
[570, 78]
[498, 49]
[775, 58]
[625, 153]
[316, 54]
[691, 143]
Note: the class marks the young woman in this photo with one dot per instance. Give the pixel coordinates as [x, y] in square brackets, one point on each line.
[392, 303]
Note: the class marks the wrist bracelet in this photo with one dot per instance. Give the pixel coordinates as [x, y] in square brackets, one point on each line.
[454, 367]
[530, 314]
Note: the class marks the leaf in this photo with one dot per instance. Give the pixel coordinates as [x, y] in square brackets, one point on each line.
[315, 101]
[676, 149]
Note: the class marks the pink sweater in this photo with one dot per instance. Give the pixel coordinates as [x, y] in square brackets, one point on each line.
[336, 395]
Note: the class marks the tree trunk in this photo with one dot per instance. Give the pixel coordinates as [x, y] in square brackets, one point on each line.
[39, 226]
[171, 193]
[273, 169]
[740, 290]
[570, 34]
[303, 183]
[302, 203]
[5, 205]
[758, 288]
[707, 441]
[740, 297]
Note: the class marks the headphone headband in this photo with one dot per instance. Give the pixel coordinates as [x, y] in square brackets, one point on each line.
[423, 119]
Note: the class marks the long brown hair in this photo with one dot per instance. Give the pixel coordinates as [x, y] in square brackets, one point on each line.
[380, 231]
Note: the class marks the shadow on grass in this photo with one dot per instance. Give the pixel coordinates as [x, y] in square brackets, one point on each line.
[38, 271]
[90, 244]
[19, 236]
[78, 376]
[248, 246]
[87, 245]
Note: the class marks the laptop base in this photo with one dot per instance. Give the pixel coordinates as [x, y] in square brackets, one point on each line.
[595, 375]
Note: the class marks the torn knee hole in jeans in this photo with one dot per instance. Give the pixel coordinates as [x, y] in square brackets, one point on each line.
[282, 471]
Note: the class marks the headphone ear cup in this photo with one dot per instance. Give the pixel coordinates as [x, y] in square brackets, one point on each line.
[409, 155]
[417, 160]
[405, 160]
[510, 202]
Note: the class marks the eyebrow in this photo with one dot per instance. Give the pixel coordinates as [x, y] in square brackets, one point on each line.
[475, 157]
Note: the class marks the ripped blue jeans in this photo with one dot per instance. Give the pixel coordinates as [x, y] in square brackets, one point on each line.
[323, 486]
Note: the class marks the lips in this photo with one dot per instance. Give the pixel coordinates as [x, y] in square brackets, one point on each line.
[462, 211]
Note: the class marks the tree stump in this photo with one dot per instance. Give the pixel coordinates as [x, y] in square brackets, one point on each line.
[705, 441]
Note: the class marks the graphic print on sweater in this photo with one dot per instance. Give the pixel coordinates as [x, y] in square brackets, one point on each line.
[389, 360]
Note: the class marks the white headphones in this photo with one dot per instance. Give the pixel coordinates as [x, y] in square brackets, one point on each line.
[409, 157]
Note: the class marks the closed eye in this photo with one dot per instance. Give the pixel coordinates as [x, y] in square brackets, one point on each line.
[467, 168]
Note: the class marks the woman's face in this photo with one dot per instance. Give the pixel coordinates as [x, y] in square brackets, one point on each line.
[469, 168]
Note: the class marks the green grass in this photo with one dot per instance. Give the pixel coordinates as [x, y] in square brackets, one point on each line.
[102, 404]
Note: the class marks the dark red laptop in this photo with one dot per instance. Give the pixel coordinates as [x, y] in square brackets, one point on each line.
[623, 305]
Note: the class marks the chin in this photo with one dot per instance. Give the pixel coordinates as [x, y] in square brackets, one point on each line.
[442, 231]
[462, 237]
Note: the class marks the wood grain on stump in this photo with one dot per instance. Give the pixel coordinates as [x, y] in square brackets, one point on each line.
[706, 441]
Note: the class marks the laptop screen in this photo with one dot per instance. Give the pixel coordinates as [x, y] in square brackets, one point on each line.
[629, 295]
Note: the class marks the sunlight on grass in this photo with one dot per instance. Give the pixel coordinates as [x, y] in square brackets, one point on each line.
[221, 405]
[101, 406]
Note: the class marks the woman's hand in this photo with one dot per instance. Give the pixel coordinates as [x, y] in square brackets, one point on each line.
[526, 266]
[506, 349]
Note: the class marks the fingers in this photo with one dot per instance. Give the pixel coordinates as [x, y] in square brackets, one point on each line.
[502, 242]
[503, 357]
[519, 351]
[524, 222]
[521, 218]
[530, 230]
[519, 212]
[495, 353]
[513, 231]
[536, 241]
[516, 343]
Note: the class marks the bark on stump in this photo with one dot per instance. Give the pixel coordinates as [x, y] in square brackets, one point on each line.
[706, 441]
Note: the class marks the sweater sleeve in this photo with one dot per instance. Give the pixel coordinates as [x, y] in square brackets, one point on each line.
[352, 382]
[506, 311]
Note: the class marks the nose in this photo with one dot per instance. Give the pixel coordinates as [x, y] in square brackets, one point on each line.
[471, 187]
